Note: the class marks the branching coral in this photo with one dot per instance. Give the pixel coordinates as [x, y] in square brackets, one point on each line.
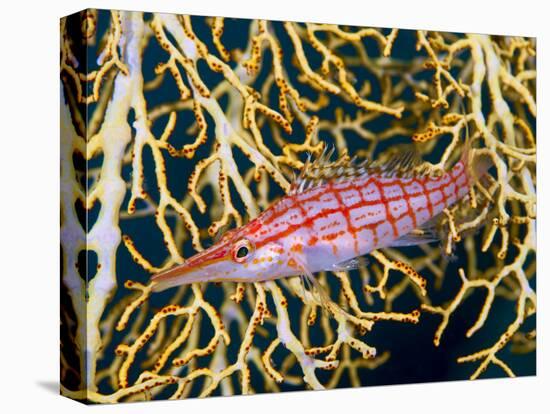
[188, 129]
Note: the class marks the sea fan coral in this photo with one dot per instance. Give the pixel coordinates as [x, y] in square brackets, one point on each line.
[175, 129]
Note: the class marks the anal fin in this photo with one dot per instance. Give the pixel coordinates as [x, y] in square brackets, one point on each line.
[414, 239]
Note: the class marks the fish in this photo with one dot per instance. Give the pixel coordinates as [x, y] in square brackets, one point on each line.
[336, 212]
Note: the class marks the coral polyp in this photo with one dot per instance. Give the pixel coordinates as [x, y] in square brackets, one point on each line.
[176, 129]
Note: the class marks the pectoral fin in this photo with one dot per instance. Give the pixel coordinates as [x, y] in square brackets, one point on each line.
[350, 264]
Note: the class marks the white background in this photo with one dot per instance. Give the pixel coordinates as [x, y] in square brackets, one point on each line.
[29, 206]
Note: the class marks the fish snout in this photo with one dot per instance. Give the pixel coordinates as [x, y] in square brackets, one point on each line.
[202, 267]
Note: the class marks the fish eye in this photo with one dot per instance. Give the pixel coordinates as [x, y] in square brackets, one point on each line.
[241, 250]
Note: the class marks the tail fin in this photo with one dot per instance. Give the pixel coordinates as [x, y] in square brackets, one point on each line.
[476, 165]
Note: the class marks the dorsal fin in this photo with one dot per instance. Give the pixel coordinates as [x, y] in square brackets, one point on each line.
[324, 169]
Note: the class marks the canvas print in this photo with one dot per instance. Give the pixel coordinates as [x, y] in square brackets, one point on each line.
[255, 206]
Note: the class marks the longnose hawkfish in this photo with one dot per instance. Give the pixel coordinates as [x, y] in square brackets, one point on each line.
[336, 212]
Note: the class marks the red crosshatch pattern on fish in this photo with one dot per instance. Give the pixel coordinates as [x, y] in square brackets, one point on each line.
[370, 203]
